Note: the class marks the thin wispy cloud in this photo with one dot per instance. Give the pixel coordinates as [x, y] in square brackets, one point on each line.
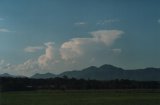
[4, 30]
[1, 19]
[117, 50]
[159, 21]
[2, 62]
[80, 23]
[107, 21]
[32, 49]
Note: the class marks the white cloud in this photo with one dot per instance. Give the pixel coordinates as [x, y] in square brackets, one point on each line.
[106, 36]
[71, 49]
[27, 68]
[45, 58]
[48, 56]
[31, 66]
[32, 49]
[4, 65]
[75, 47]
[41, 64]
[4, 30]
[28, 65]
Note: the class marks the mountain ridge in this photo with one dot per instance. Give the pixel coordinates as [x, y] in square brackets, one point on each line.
[107, 72]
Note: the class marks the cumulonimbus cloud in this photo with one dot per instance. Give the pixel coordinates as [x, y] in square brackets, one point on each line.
[74, 47]
[79, 50]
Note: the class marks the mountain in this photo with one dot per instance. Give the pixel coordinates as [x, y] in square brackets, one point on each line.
[43, 76]
[6, 75]
[104, 72]
[146, 74]
[9, 75]
[109, 72]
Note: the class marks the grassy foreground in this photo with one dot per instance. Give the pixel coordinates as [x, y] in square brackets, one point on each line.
[91, 97]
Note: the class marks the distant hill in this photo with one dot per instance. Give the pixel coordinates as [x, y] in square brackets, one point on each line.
[43, 76]
[9, 75]
[6, 75]
[104, 72]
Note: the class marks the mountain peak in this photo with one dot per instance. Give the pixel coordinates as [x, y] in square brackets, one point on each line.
[5, 75]
[46, 75]
[91, 68]
[108, 66]
[49, 73]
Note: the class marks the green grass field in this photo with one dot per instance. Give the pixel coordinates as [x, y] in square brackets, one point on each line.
[91, 97]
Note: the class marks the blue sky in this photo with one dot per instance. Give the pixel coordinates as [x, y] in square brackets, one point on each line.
[60, 35]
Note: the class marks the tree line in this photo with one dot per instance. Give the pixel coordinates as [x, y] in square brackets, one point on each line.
[65, 83]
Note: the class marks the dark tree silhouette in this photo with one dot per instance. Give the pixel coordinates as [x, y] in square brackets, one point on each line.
[65, 83]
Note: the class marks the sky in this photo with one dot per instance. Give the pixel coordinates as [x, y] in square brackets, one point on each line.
[40, 36]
